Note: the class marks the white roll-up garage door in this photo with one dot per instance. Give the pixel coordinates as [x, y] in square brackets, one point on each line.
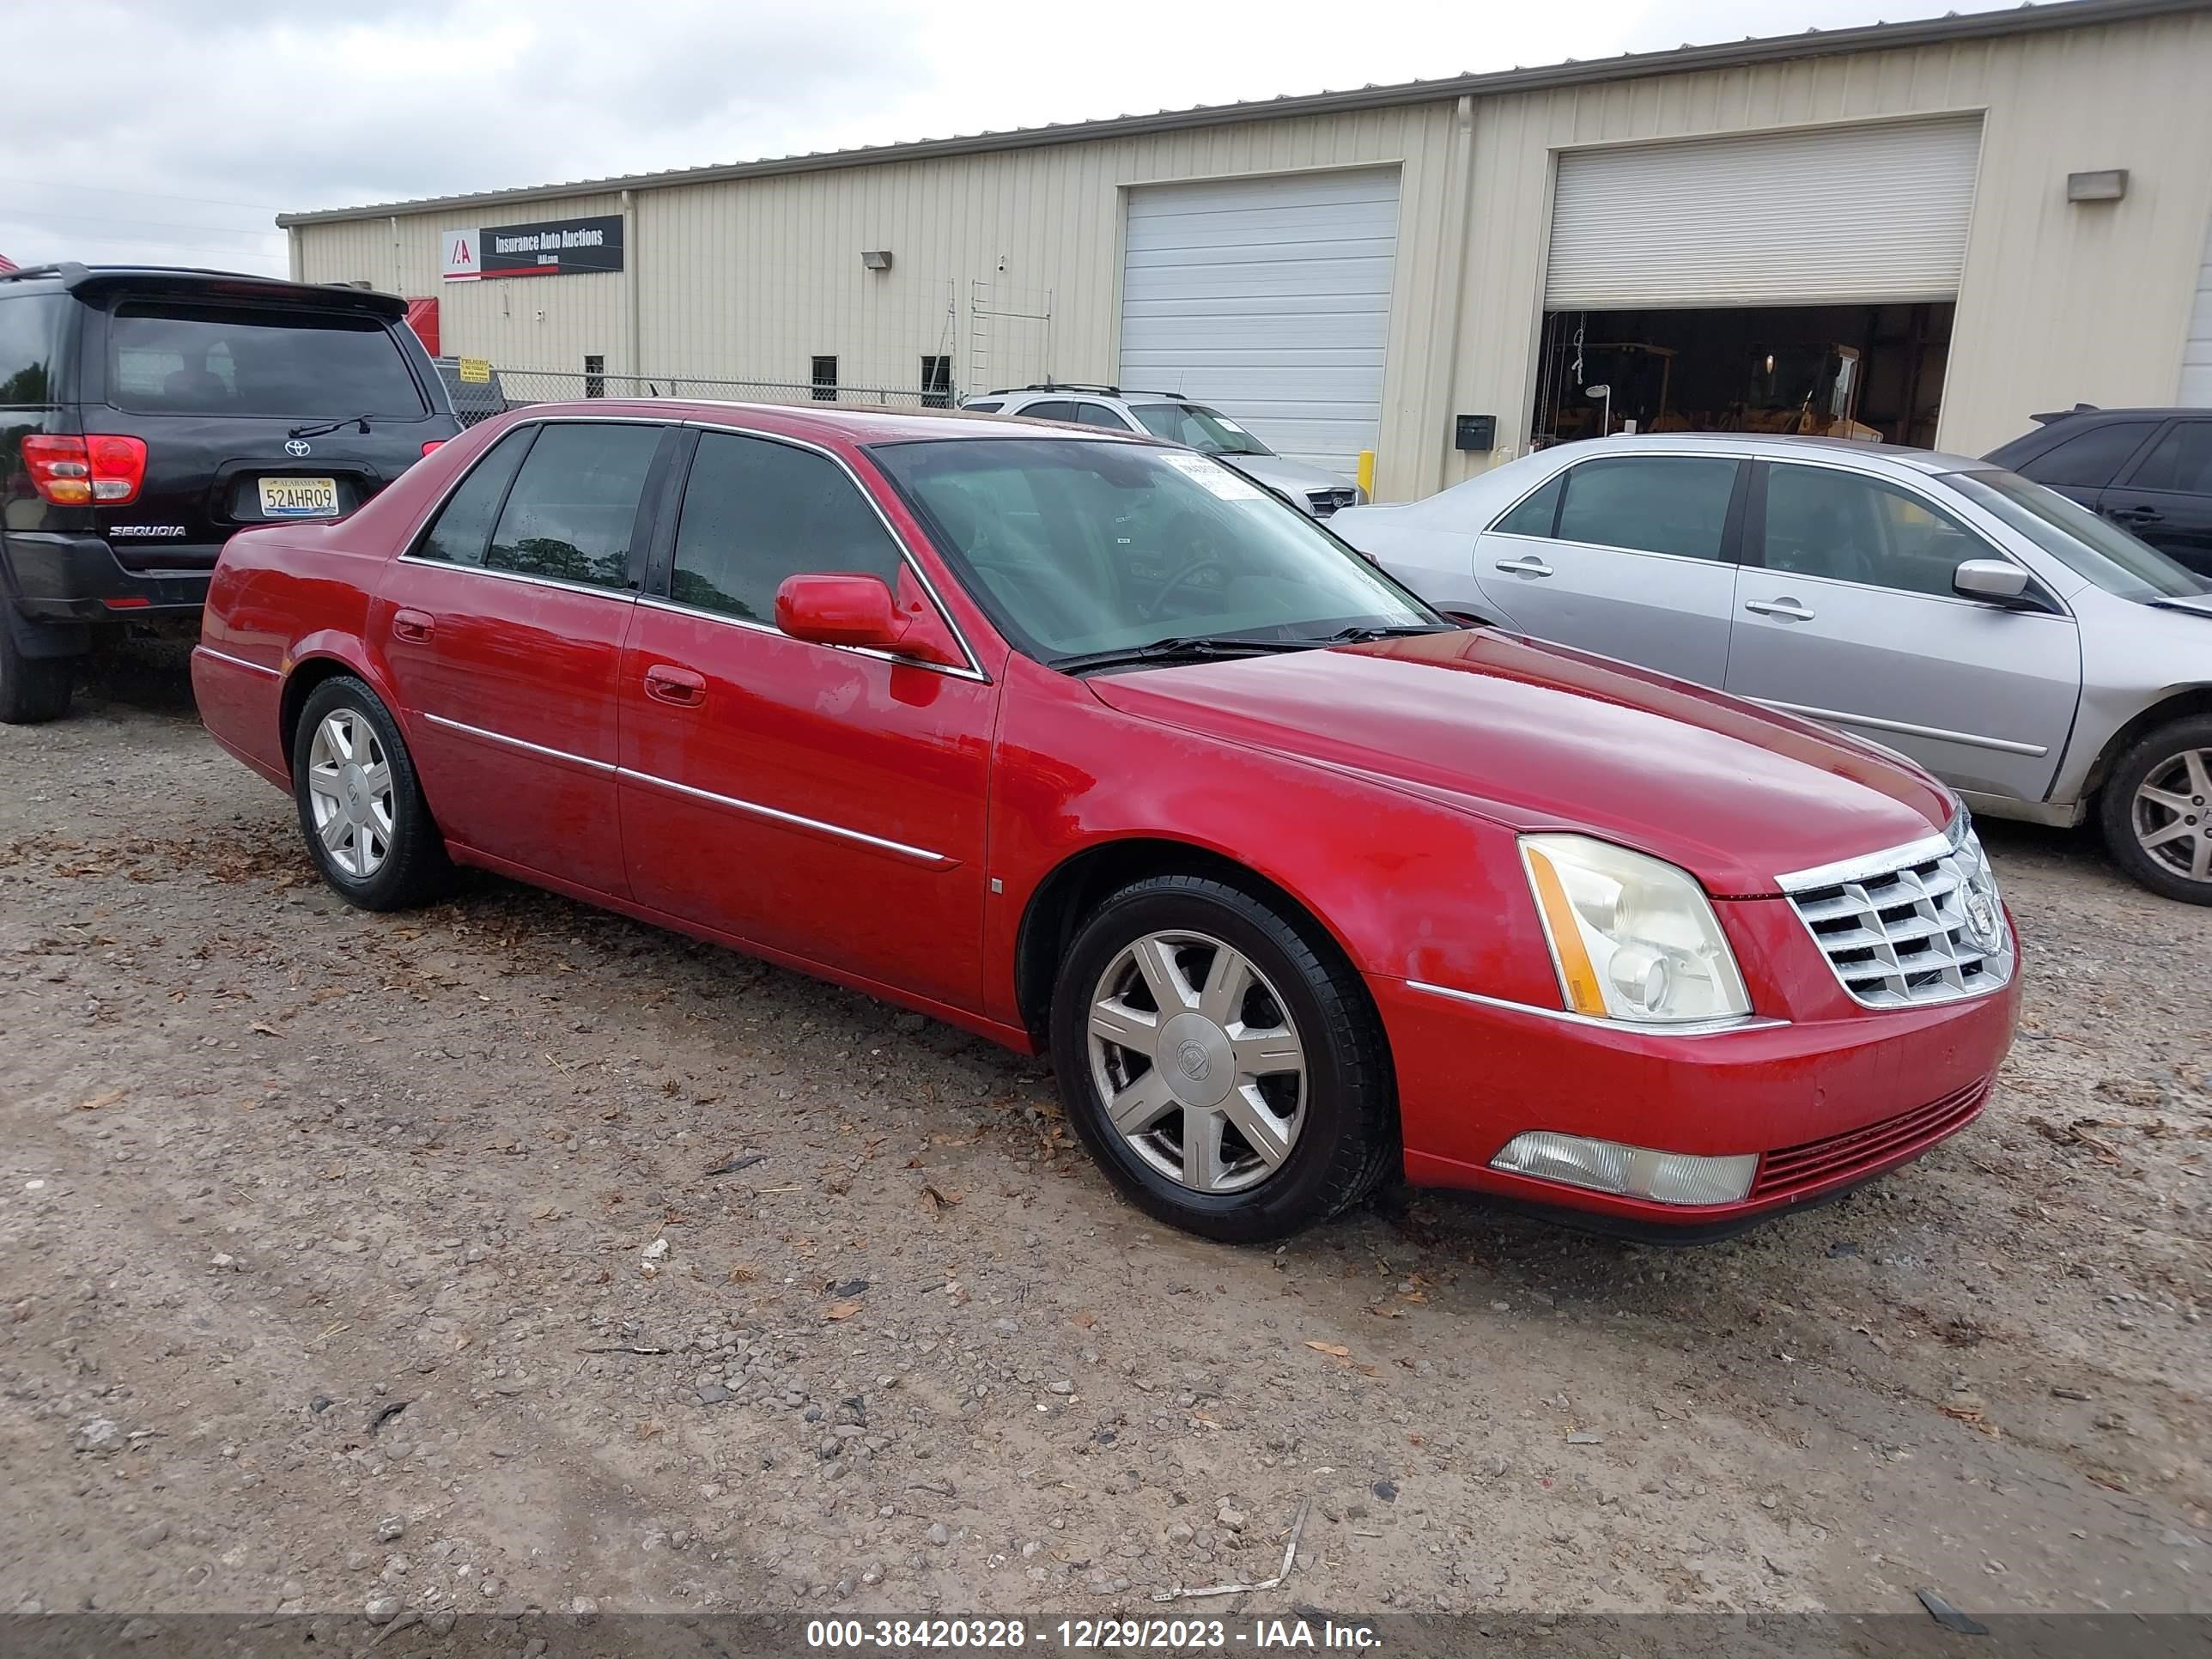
[1827, 217]
[1268, 298]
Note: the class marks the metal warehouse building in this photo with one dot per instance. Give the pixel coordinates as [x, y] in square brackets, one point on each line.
[1925, 231]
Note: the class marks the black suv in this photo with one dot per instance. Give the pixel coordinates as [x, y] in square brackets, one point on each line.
[2147, 470]
[147, 414]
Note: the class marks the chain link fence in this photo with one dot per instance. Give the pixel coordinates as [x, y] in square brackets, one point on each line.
[513, 388]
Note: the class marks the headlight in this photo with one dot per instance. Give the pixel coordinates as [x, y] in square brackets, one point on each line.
[1632, 937]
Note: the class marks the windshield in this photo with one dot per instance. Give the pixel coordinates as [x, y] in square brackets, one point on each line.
[1194, 425]
[2088, 546]
[195, 359]
[1077, 546]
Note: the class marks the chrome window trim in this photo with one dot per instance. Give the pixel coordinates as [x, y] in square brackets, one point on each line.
[606, 768]
[974, 668]
[240, 662]
[624, 595]
[753, 625]
[1907, 728]
[1693, 1028]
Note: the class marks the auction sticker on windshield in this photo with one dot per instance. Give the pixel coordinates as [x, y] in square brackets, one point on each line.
[298, 498]
[1221, 481]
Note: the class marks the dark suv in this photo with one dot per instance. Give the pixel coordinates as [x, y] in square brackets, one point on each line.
[2147, 470]
[147, 414]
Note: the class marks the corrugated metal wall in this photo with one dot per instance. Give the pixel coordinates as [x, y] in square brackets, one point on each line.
[748, 279]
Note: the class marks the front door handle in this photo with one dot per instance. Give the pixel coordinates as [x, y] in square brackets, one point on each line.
[1786, 610]
[412, 626]
[680, 686]
[2136, 515]
[1527, 565]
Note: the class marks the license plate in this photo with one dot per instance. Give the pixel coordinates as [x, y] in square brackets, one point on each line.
[298, 498]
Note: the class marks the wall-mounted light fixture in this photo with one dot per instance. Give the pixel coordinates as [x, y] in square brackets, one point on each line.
[2107, 185]
[875, 259]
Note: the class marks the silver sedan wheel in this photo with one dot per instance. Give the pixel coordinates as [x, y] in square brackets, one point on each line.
[1197, 1061]
[2173, 814]
[349, 789]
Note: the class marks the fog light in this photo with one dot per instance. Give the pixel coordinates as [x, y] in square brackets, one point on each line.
[1607, 1166]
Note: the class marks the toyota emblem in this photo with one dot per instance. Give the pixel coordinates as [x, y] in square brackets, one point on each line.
[298, 446]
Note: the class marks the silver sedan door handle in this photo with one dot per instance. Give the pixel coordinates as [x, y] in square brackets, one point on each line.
[1527, 565]
[1787, 610]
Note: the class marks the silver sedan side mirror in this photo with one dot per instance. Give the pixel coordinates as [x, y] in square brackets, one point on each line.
[1990, 579]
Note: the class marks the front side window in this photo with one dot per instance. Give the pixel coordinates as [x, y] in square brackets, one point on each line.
[2089, 460]
[1196, 427]
[756, 512]
[1673, 504]
[462, 531]
[1099, 415]
[192, 359]
[1822, 521]
[2092, 547]
[1078, 546]
[572, 510]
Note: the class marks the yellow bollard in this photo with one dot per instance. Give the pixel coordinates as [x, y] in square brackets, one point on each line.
[1367, 473]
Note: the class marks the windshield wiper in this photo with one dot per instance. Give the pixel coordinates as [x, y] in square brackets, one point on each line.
[1358, 635]
[329, 427]
[1199, 647]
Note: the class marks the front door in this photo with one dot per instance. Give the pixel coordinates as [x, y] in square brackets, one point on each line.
[824, 803]
[1845, 613]
[1625, 555]
[2167, 497]
[502, 629]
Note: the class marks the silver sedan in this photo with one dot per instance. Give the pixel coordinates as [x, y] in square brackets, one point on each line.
[2042, 661]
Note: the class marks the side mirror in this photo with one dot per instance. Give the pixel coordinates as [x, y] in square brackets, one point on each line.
[1999, 579]
[861, 611]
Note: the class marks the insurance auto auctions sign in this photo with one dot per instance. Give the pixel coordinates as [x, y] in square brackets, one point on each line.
[559, 248]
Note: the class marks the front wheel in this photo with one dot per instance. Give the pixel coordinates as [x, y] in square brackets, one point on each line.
[1221, 1060]
[362, 811]
[2158, 810]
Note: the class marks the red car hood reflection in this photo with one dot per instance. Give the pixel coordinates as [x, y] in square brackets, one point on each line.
[1541, 737]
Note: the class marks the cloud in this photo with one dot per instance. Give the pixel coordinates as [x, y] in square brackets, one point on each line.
[211, 115]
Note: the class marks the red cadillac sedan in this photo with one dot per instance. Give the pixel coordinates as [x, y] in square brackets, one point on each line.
[1093, 746]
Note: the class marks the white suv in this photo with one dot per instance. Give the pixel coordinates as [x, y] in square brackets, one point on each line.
[1178, 420]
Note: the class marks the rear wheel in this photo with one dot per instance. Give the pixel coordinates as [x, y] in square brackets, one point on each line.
[1225, 1068]
[33, 689]
[362, 811]
[2158, 810]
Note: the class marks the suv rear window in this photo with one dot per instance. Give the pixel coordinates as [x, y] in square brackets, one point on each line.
[30, 341]
[168, 359]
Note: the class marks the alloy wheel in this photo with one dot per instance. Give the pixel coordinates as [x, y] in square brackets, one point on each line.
[1197, 1061]
[349, 787]
[2172, 814]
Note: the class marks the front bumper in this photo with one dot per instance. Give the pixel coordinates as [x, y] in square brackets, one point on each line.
[57, 578]
[1826, 1102]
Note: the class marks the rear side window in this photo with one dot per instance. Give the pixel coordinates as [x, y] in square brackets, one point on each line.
[756, 512]
[176, 359]
[984, 405]
[2088, 459]
[31, 326]
[574, 507]
[1535, 514]
[1099, 415]
[463, 529]
[1050, 410]
[1673, 504]
[2182, 461]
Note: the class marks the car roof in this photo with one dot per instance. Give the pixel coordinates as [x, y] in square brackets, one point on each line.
[853, 423]
[1765, 443]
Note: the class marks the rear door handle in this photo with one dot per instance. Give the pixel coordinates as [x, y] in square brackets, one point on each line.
[1527, 565]
[1787, 610]
[680, 686]
[412, 625]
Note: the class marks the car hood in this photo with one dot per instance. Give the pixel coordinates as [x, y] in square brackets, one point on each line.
[1538, 737]
[1293, 477]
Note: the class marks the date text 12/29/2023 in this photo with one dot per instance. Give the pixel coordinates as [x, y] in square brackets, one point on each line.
[1084, 1635]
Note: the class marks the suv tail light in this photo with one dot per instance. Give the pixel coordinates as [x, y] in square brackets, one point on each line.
[429, 444]
[106, 469]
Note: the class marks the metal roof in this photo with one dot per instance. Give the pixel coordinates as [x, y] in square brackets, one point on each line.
[2028, 19]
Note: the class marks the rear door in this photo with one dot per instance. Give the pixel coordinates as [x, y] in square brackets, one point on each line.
[229, 397]
[2166, 497]
[1626, 555]
[1845, 614]
[504, 628]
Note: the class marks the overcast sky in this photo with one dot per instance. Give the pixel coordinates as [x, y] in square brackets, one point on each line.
[172, 131]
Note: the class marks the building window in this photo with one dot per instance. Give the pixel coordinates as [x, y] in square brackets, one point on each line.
[936, 382]
[824, 379]
[595, 377]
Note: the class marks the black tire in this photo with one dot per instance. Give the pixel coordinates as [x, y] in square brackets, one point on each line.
[1348, 1138]
[33, 689]
[2161, 751]
[414, 866]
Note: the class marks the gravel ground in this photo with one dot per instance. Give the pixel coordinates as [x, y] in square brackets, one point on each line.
[508, 1253]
